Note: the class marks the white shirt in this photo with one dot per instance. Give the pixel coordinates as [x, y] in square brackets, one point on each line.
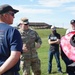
[69, 30]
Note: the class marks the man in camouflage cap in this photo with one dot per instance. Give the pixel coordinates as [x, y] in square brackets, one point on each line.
[31, 42]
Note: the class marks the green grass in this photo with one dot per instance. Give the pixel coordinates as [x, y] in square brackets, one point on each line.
[43, 52]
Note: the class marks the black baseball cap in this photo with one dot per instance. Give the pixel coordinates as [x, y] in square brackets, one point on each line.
[72, 21]
[5, 8]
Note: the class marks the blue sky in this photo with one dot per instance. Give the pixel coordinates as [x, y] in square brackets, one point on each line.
[53, 12]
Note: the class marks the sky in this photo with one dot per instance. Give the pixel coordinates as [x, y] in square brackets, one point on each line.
[53, 12]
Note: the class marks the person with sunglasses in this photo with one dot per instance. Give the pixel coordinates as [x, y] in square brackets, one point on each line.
[10, 44]
[31, 42]
[54, 41]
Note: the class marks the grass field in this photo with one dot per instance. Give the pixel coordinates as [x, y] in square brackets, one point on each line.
[43, 52]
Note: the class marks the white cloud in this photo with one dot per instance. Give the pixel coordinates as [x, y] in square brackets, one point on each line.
[24, 9]
[73, 13]
[54, 3]
[42, 12]
[31, 0]
[71, 9]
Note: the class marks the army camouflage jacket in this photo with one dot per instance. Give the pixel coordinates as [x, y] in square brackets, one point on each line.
[30, 37]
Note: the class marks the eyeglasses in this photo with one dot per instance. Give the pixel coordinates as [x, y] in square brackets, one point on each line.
[11, 13]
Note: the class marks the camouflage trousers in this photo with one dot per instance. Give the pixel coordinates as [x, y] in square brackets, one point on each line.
[31, 64]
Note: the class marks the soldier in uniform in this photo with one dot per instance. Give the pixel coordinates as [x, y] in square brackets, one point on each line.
[31, 42]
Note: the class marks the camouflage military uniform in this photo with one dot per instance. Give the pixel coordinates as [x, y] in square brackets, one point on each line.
[30, 58]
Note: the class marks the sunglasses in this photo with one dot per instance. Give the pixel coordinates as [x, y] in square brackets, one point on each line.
[11, 13]
[25, 24]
